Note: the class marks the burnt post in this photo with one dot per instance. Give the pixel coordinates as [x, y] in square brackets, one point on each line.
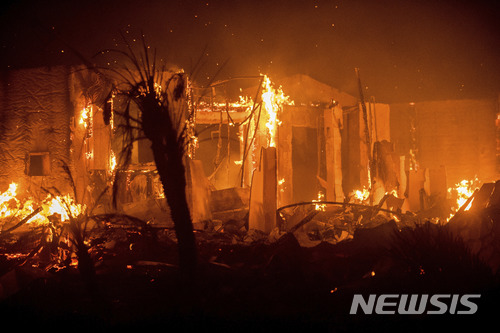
[263, 196]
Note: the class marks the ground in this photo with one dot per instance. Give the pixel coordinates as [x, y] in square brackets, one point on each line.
[245, 285]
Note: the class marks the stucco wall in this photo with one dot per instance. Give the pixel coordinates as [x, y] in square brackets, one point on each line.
[35, 109]
[457, 134]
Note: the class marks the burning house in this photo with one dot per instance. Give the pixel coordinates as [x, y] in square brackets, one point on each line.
[52, 118]
[318, 165]
[296, 140]
[291, 157]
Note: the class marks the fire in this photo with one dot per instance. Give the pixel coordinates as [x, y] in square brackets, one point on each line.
[5, 198]
[393, 192]
[464, 190]
[318, 206]
[244, 102]
[12, 207]
[85, 116]
[62, 205]
[280, 185]
[360, 195]
[112, 161]
[273, 101]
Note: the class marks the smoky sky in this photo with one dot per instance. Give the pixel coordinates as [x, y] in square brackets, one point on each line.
[405, 50]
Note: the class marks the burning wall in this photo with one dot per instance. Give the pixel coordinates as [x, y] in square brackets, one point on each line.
[308, 140]
[47, 136]
[355, 157]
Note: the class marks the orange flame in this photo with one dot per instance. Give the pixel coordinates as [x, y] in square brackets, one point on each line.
[112, 161]
[360, 196]
[273, 100]
[12, 207]
[85, 116]
[319, 206]
[5, 198]
[464, 190]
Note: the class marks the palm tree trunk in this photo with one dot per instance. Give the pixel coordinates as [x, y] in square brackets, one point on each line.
[173, 178]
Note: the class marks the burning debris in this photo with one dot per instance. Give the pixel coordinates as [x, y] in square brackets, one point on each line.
[14, 209]
[463, 191]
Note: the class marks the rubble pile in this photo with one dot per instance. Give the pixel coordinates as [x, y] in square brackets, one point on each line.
[311, 263]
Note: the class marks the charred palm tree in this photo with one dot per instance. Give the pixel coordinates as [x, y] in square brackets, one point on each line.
[77, 229]
[160, 98]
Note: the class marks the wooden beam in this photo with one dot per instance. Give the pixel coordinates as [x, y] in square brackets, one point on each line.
[214, 117]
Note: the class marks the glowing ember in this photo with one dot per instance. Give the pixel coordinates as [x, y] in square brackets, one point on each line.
[281, 186]
[393, 192]
[318, 206]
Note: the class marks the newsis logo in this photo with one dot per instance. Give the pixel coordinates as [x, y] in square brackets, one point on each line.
[415, 304]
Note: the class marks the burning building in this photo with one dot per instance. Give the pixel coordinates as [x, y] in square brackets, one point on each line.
[292, 157]
[271, 145]
[274, 200]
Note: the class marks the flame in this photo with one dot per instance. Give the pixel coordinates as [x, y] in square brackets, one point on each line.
[243, 104]
[12, 207]
[464, 190]
[273, 100]
[281, 185]
[360, 195]
[393, 192]
[318, 206]
[62, 205]
[85, 116]
[112, 161]
[5, 198]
